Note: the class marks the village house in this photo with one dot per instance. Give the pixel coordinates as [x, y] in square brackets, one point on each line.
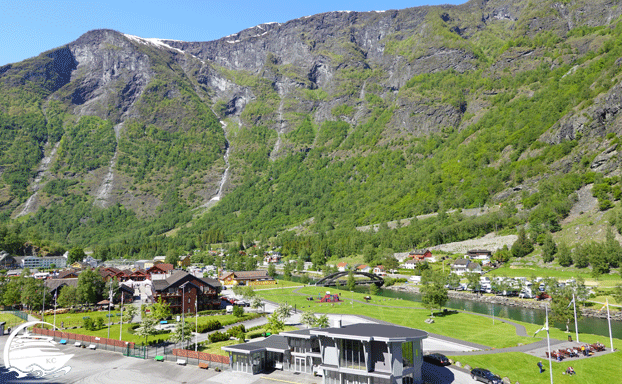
[352, 354]
[7, 261]
[363, 268]
[143, 264]
[159, 259]
[185, 292]
[342, 267]
[410, 264]
[462, 266]
[246, 278]
[184, 261]
[481, 255]
[272, 257]
[379, 270]
[46, 262]
[160, 271]
[56, 285]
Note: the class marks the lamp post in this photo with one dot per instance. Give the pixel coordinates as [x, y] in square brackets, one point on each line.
[196, 324]
[183, 309]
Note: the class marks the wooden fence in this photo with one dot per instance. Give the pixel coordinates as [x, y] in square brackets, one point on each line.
[201, 356]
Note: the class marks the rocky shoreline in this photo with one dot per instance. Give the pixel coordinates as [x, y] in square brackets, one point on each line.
[511, 301]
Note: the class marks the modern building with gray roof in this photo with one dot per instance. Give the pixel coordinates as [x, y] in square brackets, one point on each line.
[353, 354]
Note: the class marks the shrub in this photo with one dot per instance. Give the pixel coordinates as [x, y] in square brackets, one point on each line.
[236, 331]
[211, 325]
[218, 336]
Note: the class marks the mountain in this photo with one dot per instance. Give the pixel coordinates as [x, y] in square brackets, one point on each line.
[327, 122]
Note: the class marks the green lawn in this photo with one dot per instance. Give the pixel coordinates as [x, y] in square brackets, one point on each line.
[522, 367]
[461, 326]
[114, 333]
[11, 320]
[75, 319]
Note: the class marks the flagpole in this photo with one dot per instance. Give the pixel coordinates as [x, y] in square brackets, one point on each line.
[548, 343]
[121, 327]
[609, 321]
[55, 294]
[109, 302]
[196, 324]
[576, 327]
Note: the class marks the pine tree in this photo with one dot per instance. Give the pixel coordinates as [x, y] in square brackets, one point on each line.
[548, 249]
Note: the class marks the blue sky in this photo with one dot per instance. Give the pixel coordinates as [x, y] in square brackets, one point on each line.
[29, 27]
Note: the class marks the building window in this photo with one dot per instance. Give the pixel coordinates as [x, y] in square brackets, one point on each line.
[352, 354]
[407, 354]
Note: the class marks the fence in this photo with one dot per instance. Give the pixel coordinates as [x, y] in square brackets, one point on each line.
[86, 340]
[168, 352]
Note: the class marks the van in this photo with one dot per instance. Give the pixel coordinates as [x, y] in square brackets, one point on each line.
[229, 309]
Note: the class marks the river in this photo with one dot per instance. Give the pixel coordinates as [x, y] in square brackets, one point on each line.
[591, 325]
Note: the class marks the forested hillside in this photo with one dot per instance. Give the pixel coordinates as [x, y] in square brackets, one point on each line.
[298, 133]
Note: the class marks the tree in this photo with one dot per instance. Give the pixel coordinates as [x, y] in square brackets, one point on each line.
[34, 293]
[271, 270]
[287, 271]
[300, 265]
[75, 254]
[181, 334]
[548, 249]
[564, 256]
[473, 281]
[172, 258]
[12, 294]
[561, 306]
[275, 324]
[351, 282]
[433, 291]
[617, 293]
[373, 289]
[369, 253]
[147, 327]
[160, 310]
[129, 311]
[308, 318]
[322, 321]
[67, 297]
[283, 311]
[256, 302]
[390, 263]
[522, 246]
[90, 286]
[453, 280]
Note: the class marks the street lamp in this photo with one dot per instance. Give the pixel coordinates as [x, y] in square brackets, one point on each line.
[183, 309]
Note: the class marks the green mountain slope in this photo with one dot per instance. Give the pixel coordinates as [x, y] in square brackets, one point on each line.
[329, 122]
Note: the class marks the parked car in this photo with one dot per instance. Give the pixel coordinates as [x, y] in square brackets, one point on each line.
[436, 359]
[485, 376]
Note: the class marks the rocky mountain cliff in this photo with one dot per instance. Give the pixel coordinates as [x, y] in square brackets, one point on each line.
[394, 113]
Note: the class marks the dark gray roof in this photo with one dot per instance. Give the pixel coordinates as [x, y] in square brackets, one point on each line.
[178, 276]
[159, 285]
[274, 343]
[371, 331]
[464, 262]
[300, 333]
[53, 284]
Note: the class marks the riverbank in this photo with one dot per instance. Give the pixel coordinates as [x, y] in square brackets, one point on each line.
[616, 314]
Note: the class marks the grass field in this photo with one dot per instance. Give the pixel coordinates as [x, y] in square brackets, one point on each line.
[11, 320]
[277, 284]
[75, 319]
[407, 313]
[215, 348]
[521, 367]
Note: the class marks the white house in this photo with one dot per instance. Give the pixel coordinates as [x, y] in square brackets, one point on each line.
[462, 266]
[410, 264]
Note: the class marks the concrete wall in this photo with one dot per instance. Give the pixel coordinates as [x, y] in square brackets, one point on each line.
[330, 353]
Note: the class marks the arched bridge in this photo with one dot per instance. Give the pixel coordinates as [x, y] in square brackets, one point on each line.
[330, 280]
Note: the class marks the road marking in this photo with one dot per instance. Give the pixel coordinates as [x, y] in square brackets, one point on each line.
[283, 381]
